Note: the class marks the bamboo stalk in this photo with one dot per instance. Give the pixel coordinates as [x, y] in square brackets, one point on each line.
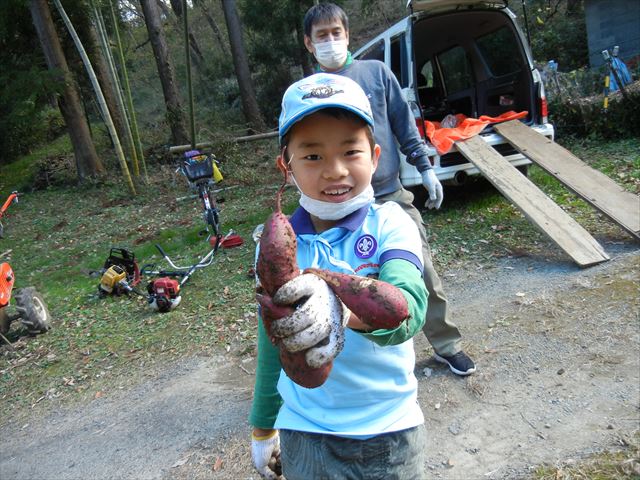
[127, 89]
[104, 40]
[192, 119]
[98, 91]
[246, 138]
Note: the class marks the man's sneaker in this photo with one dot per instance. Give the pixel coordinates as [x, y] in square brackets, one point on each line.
[460, 363]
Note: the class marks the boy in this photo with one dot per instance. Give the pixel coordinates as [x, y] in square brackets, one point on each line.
[326, 37]
[364, 421]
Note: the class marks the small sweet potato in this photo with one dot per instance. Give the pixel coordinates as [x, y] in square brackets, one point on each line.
[377, 303]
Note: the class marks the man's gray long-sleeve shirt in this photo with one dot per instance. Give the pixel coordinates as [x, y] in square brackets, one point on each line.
[393, 121]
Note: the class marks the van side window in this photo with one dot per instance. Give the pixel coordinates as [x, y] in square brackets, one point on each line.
[374, 52]
[456, 70]
[500, 51]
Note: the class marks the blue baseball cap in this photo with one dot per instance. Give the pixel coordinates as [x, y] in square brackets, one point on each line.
[322, 90]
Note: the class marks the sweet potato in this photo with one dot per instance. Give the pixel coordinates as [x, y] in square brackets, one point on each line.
[377, 303]
[277, 265]
[294, 364]
[278, 246]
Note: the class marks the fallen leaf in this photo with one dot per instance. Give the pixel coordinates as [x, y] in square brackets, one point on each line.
[180, 462]
[217, 464]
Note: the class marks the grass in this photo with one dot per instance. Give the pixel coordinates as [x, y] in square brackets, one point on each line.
[58, 235]
[621, 464]
[19, 174]
[476, 223]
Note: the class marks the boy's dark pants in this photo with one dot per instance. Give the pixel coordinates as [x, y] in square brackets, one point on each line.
[443, 335]
[391, 456]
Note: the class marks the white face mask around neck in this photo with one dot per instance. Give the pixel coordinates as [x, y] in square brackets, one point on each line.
[334, 211]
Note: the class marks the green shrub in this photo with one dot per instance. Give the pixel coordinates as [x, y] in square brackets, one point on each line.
[587, 117]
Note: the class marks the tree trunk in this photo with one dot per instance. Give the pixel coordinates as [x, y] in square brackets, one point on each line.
[175, 113]
[197, 57]
[241, 65]
[214, 26]
[304, 56]
[104, 110]
[87, 161]
[305, 59]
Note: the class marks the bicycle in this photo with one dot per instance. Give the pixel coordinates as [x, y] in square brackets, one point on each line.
[202, 174]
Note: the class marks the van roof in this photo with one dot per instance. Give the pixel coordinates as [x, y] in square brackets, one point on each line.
[433, 6]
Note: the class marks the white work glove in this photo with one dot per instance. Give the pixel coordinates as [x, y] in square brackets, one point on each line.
[265, 453]
[431, 183]
[318, 320]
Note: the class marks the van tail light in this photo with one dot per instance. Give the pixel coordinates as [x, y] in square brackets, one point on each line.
[544, 109]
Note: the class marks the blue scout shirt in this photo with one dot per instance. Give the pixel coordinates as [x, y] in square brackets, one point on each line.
[371, 388]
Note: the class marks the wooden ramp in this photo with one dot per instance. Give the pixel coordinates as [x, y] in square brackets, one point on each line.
[593, 186]
[534, 204]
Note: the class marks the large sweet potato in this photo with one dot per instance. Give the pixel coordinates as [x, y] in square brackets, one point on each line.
[277, 265]
[377, 303]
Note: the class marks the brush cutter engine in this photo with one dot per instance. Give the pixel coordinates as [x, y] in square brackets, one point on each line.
[120, 273]
[164, 294]
[114, 281]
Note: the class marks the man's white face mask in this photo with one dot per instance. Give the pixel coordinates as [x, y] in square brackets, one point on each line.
[331, 54]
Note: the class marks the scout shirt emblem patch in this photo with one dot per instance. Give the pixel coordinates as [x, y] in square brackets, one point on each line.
[366, 246]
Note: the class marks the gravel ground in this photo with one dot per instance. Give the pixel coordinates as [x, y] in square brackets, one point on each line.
[558, 379]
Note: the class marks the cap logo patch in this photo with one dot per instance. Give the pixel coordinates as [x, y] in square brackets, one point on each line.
[324, 91]
[365, 246]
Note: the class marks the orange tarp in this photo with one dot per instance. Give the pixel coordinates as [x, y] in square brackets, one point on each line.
[443, 138]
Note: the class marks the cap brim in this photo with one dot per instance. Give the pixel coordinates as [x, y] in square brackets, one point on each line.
[315, 108]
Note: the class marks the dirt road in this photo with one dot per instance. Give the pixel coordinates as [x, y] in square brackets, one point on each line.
[558, 379]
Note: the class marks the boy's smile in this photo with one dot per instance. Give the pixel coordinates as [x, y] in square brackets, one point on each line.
[330, 158]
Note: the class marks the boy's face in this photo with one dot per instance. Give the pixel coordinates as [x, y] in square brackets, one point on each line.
[330, 158]
[329, 31]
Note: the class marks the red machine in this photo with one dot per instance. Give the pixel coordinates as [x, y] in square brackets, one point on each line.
[28, 305]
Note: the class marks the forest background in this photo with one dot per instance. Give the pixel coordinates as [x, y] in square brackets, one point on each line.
[243, 55]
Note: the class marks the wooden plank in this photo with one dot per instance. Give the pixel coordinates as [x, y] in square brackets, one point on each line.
[596, 188]
[533, 203]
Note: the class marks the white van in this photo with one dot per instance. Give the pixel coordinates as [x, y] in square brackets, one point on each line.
[462, 56]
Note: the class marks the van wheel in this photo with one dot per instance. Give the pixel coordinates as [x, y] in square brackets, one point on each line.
[34, 313]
